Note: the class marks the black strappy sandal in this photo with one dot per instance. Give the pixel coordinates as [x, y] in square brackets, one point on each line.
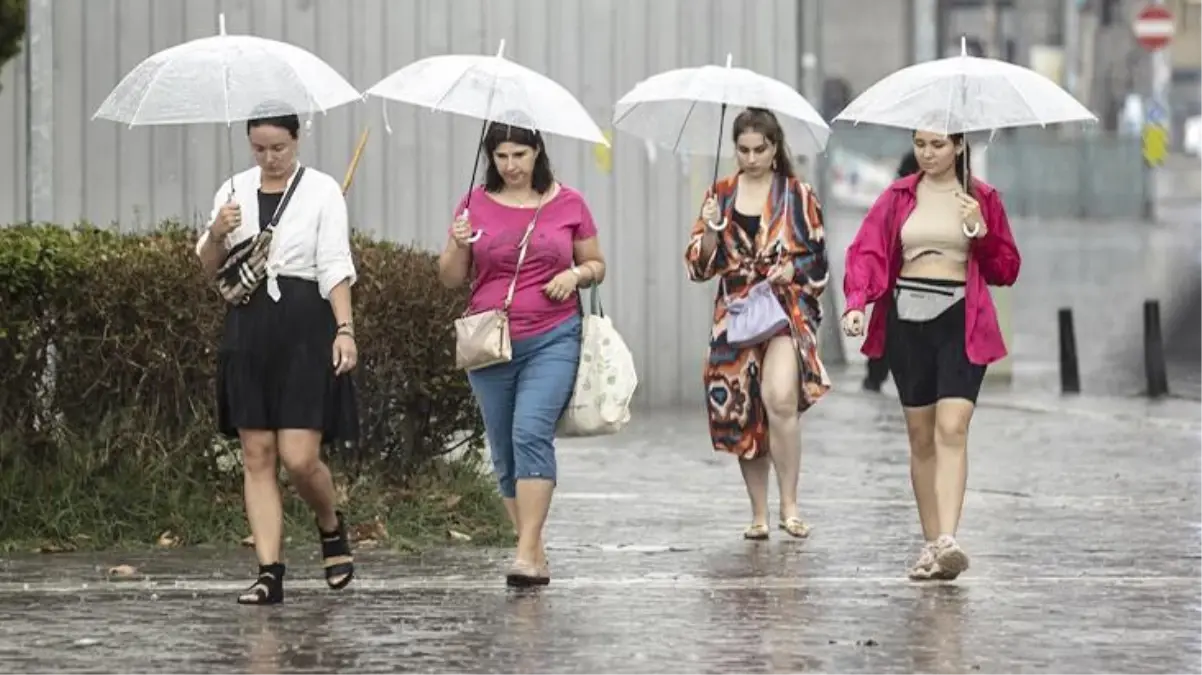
[268, 589]
[336, 555]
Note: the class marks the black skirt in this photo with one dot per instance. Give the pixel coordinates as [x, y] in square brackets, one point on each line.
[275, 366]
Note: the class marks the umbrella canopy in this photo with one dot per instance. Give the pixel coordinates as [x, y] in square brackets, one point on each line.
[492, 89]
[963, 94]
[225, 78]
[689, 110]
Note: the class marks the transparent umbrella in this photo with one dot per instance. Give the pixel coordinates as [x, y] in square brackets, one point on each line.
[963, 94]
[225, 79]
[686, 109]
[491, 89]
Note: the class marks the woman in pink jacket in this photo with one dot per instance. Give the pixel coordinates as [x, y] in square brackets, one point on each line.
[924, 257]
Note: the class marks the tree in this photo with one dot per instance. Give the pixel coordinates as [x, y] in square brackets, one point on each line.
[12, 29]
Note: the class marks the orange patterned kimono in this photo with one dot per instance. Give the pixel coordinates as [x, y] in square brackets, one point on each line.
[738, 420]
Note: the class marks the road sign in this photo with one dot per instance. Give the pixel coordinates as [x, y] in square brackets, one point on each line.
[1155, 144]
[1156, 113]
[1154, 27]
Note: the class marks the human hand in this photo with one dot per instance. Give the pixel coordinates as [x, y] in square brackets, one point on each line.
[562, 286]
[229, 217]
[853, 323]
[461, 231]
[345, 352]
[709, 212]
[970, 217]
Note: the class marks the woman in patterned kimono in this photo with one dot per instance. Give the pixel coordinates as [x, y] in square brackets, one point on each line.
[760, 224]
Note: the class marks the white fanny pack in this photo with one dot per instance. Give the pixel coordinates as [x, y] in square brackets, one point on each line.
[919, 301]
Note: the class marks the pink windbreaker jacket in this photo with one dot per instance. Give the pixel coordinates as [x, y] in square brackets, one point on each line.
[874, 260]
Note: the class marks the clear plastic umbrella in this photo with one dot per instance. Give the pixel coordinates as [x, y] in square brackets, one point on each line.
[225, 79]
[964, 94]
[491, 89]
[685, 109]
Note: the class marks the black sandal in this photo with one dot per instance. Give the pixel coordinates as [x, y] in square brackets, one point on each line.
[268, 589]
[336, 555]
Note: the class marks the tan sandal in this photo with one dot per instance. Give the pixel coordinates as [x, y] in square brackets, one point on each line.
[756, 532]
[796, 527]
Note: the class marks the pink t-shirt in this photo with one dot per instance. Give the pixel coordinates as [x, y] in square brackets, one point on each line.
[562, 221]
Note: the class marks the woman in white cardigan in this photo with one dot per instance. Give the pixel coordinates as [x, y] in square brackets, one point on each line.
[283, 382]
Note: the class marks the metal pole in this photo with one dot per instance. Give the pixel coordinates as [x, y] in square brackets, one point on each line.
[809, 32]
[1072, 45]
[1162, 77]
[39, 93]
[925, 29]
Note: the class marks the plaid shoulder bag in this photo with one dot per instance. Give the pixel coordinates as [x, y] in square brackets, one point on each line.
[245, 265]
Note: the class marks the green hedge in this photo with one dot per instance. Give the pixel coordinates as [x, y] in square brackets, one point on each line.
[107, 430]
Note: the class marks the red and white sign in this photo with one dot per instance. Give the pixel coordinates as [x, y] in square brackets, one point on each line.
[1154, 27]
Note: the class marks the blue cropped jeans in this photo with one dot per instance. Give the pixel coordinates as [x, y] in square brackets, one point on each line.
[522, 400]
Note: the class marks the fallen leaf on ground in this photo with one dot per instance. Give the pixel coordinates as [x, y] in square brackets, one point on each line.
[458, 536]
[248, 540]
[168, 540]
[53, 547]
[452, 501]
[122, 571]
[372, 530]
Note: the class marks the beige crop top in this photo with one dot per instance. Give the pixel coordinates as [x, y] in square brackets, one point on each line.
[935, 225]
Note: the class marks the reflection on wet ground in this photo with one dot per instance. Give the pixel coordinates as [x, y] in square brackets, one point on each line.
[1084, 536]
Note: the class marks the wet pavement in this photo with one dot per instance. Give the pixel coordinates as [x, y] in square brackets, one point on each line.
[1083, 529]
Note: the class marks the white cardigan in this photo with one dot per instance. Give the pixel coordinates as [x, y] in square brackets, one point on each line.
[312, 239]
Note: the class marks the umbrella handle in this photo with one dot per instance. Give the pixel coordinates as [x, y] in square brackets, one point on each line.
[350, 170]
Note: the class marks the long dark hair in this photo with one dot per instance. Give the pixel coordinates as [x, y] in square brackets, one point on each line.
[764, 122]
[962, 163]
[542, 177]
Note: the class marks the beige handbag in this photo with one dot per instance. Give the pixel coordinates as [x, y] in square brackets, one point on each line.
[482, 339]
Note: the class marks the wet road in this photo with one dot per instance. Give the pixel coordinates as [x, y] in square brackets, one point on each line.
[1083, 529]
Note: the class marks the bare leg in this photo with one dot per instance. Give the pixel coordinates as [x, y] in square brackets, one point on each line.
[300, 452]
[261, 491]
[920, 425]
[779, 390]
[755, 476]
[952, 417]
[533, 504]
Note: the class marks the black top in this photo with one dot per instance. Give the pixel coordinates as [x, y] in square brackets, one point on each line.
[750, 224]
[268, 203]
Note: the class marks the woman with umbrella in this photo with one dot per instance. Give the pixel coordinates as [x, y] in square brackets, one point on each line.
[526, 243]
[925, 254]
[761, 233]
[288, 346]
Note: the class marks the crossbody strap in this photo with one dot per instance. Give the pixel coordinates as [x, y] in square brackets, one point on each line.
[525, 244]
[279, 210]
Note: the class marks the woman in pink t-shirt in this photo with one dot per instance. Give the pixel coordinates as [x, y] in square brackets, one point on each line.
[522, 400]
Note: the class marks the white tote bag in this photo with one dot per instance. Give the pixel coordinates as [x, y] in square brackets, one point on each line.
[605, 379]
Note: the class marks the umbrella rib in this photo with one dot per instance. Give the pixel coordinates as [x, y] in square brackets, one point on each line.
[685, 123]
[150, 87]
[1023, 98]
[445, 94]
[310, 101]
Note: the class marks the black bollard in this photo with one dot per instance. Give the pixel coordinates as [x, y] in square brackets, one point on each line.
[1154, 364]
[1070, 375]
